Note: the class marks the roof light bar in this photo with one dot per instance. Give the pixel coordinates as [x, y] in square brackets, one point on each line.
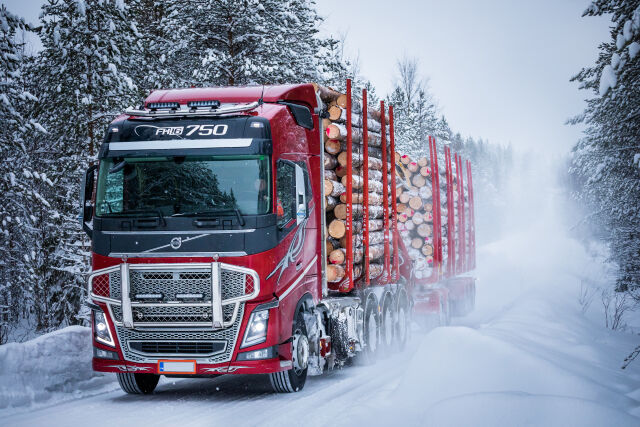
[213, 103]
[163, 105]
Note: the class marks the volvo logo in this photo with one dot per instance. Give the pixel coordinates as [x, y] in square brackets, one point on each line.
[176, 242]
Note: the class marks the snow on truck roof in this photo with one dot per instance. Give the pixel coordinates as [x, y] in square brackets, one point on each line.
[299, 93]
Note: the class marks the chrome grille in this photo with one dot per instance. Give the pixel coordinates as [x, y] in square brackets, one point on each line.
[230, 335]
[114, 280]
[183, 348]
[170, 283]
[173, 313]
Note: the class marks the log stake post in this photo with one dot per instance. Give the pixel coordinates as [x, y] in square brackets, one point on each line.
[472, 220]
[394, 206]
[439, 212]
[365, 190]
[434, 271]
[451, 241]
[385, 196]
[461, 217]
[349, 222]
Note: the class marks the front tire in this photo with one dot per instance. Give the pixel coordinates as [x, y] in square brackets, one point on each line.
[294, 379]
[138, 383]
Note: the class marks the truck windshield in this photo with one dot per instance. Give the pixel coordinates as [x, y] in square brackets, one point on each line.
[183, 185]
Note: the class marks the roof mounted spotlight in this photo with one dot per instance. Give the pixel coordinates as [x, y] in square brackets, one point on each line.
[163, 105]
[212, 103]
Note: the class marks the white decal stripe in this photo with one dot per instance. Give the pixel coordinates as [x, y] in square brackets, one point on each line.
[293, 285]
[180, 144]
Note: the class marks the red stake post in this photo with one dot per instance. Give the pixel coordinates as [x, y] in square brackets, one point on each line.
[385, 196]
[349, 233]
[394, 206]
[472, 219]
[451, 240]
[365, 190]
[461, 217]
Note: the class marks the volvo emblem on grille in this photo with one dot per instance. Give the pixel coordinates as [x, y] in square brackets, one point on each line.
[176, 242]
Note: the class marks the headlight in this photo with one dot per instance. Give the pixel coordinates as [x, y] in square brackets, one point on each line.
[256, 332]
[101, 329]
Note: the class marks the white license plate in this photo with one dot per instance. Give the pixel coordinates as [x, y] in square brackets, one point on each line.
[176, 366]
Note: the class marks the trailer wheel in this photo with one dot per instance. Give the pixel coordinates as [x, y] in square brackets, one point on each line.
[294, 379]
[387, 321]
[369, 353]
[138, 383]
[402, 321]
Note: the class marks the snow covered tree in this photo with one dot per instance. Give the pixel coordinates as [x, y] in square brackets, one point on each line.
[19, 199]
[81, 80]
[607, 160]
[414, 110]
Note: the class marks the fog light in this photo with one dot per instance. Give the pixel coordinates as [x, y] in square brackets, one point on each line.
[264, 353]
[101, 329]
[104, 354]
[256, 332]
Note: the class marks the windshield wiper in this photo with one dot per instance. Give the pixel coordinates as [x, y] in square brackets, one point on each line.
[156, 212]
[214, 212]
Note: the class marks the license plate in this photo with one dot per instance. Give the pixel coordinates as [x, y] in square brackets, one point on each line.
[176, 366]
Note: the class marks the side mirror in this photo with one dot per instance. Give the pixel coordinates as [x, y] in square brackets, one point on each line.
[87, 193]
[301, 196]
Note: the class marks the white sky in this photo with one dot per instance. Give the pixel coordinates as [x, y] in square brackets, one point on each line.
[500, 69]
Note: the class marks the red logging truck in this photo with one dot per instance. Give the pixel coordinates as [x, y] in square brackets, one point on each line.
[206, 218]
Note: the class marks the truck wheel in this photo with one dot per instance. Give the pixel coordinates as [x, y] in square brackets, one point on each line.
[369, 353]
[402, 322]
[138, 383]
[387, 321]
[293, 380]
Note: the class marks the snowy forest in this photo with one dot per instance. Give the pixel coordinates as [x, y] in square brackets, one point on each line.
[551, 334]
[102, 56]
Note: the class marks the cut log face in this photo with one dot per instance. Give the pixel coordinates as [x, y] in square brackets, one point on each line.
[427, 250]
[417, 218]
[333, 188]
[416, 243]
[415, 203]
[418, 180]
[424, 230]
[425, 171]
[423, 161]
[332, 146]
[405, 159]
[335, 273]
[405, 197]
[337, 229]
[413, 167]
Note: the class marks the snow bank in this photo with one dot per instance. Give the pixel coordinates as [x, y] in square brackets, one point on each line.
[52, 367]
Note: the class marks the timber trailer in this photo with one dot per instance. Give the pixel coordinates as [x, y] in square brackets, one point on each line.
[206, 215]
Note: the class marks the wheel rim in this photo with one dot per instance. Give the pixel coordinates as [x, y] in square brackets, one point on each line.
[388, 326]
[373, 333]
[402, 324]
[300, 352]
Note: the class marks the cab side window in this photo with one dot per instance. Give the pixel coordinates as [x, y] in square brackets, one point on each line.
[286, 187]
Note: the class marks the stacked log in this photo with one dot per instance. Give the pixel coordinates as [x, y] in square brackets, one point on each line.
[415, 210]
[335, 186]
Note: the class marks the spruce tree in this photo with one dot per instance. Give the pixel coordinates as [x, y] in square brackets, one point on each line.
[606, 160]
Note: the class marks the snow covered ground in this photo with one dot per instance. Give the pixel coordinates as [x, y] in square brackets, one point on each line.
[528, 355]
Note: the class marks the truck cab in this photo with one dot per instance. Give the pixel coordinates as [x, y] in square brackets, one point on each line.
[205, 224]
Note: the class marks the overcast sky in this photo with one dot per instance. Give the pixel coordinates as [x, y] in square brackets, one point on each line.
[500, 69]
